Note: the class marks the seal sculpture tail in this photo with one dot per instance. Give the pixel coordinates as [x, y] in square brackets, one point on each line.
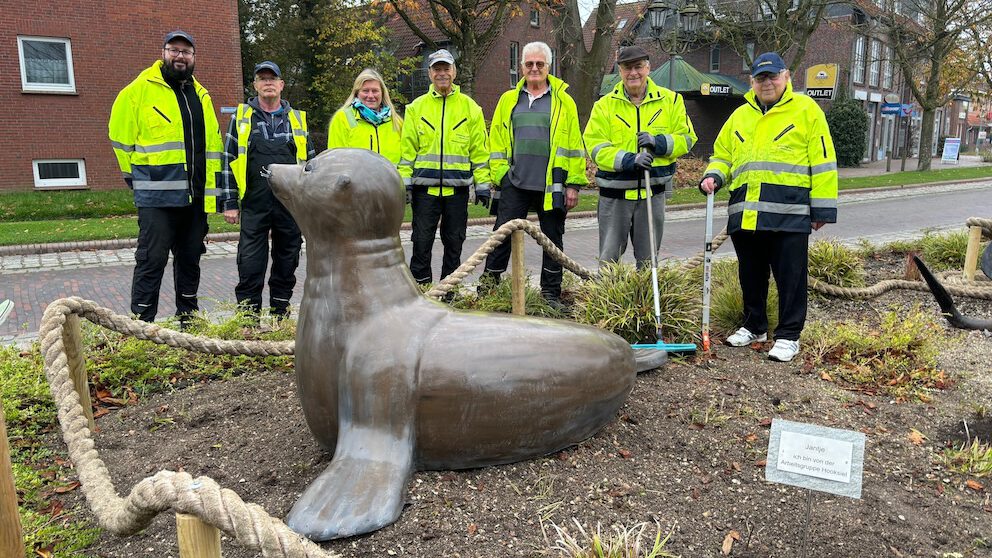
[649, 359]
[946, 303]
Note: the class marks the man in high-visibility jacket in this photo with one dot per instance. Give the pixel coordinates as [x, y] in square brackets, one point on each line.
[263, 131]
[537, 160]
[776, 155]
[639, 126]
[167, 141]
[444, 162]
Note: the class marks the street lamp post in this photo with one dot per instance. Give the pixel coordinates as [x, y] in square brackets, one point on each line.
[683, 15]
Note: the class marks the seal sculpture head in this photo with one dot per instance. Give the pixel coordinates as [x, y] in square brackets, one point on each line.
[392, 382]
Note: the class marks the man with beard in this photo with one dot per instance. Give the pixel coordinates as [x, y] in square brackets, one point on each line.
[265, 130]
[167, 141]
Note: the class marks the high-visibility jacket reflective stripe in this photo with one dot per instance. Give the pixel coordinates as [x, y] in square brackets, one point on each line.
[347, 129]
[780, 165]
[444, 144]
[567, 163]
[611, 134]
[146, 133]
[239, 166]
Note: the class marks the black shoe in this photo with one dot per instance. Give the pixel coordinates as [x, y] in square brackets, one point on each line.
[448, 297]
[279, 313]
[487, 283]
[555, 303]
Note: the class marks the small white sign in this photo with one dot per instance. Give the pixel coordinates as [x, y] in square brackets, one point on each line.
[814, 456]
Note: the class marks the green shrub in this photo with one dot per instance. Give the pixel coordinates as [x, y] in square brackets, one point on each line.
[831, 261]
[897, 357]
[620, 300]
[944, 251]
[986, 155]
[500, 299]
[727, 299]
[849, 128]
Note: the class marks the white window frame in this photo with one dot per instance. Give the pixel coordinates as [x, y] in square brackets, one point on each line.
[874, 65]
[34, 87]
[887, 71]
[42, 183]
[749, 51]
[858, 64]
[715, 64]
[515, 62]
[535, 17]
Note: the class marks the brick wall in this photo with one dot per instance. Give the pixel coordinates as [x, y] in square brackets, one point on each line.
[111, 43]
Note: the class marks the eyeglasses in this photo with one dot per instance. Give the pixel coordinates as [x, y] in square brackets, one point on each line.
[634, 66]
[177, 51]
[761, 78]
[535, 64]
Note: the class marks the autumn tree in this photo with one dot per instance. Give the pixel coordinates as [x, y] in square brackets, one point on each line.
[934, 53]
[320, 47]
[467, 26]
[783, 26]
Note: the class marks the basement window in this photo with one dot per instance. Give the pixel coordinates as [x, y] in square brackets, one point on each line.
[59, 173]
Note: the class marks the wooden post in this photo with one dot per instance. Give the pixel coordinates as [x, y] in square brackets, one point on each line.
[912, 272]
[72, 340]
[11, 539]
[517, 262]
[196, 538]
[971, 256]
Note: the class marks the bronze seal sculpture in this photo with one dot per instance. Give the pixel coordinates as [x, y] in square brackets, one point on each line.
[392, 381]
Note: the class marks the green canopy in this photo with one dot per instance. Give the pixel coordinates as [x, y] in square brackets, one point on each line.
[687, 79]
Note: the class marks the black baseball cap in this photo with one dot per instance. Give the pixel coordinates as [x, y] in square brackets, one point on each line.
[177, 34]
[767, 63]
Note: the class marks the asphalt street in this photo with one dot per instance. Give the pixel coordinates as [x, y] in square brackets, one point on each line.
[33, 281]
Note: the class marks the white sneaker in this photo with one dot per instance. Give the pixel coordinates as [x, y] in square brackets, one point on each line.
[6, 307]
[744, 337]
[784, 350]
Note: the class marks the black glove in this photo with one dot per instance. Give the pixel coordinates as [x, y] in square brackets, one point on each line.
[483, 198]
[645, 140]
[643, 160]
[409, 195]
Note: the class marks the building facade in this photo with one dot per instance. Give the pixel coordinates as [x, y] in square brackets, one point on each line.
[70, 60]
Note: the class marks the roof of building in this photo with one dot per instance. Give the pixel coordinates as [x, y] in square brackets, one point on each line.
[626, 15]
[410, 44]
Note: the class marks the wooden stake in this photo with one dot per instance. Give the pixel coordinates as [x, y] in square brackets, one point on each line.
[72, 339]
[517, 262]
[971, 256]
[196, 538]
[11, 539]
[912, 272]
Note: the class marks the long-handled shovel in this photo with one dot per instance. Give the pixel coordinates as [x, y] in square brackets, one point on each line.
[707, 269]
[660, 345]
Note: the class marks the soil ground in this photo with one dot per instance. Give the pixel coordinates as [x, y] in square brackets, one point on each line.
[686, 452]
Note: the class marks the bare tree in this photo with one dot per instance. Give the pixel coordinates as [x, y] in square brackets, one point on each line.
[469, 25]
[931, 43]
[783, 26]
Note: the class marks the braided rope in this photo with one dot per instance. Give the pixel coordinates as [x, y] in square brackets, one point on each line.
[248, 524]
[985, 224]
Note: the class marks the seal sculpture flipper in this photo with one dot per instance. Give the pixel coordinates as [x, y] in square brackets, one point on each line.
[946, 302]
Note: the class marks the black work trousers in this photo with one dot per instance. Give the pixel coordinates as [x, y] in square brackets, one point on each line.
[514, 203]
[786, 255]
[253, 255]
[428, 210]
[161, 230]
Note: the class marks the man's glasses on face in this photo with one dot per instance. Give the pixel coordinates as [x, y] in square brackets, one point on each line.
[634, 67]
[177, 51]
[531, 64]
[761, 78]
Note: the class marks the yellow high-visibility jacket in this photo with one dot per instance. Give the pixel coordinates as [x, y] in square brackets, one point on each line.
[348, 129]
[780, 165]
[146, 132]
[611, 136]
[567, 163]
[444, 144]
[239, 165]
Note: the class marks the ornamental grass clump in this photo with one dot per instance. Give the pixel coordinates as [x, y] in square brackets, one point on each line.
[620, 300]
[500, 299]
[620, 542]
[944, 251]
[836, 264]
[974, 459]
[727, 299]
[897, 357]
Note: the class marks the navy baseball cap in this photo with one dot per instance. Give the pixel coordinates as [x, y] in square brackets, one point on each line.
[767, 63]
[268, 65]
[177, 34]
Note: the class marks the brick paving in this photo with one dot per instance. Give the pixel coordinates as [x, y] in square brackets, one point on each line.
[32, 281]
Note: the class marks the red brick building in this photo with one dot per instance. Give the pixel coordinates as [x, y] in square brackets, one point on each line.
[68, 60]
[500, 66]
